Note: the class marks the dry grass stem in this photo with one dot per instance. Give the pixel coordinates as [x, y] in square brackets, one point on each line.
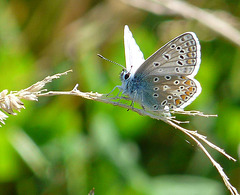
[164, 116]
[187, 10]
[192, 134]
[92, 192]
[11, 102]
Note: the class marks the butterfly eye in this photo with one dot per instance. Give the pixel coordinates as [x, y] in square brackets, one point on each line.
[126, 76]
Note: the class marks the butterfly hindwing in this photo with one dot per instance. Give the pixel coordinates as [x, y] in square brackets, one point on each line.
[170, 92]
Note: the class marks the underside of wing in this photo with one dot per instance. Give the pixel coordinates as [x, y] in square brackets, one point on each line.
[180, 56]
[170, 92]
[134, 56]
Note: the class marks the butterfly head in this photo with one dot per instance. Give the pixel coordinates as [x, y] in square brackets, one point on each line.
[125, 75]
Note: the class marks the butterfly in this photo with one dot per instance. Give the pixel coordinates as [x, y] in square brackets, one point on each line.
[164, 81]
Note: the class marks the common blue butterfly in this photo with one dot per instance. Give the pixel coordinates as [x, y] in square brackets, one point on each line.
[165, 80]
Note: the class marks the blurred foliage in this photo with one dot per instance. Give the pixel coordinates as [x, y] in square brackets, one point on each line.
[68, 145]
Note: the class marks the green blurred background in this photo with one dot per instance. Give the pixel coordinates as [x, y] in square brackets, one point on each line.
[68, 145]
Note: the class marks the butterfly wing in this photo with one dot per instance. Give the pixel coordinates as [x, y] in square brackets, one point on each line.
[133, 55]
[169, 92]
[170, 73]
[180, 56]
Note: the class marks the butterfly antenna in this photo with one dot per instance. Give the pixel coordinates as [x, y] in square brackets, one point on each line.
[111, 61]
[130, 69]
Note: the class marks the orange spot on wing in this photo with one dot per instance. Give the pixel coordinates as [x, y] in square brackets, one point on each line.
[183, 96]
[177, 102]
[187, 82]
[183, 78]
[189, 55]
[190, 61]
[192, 89]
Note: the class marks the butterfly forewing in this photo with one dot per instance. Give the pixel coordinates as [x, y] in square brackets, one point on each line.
[180, 56]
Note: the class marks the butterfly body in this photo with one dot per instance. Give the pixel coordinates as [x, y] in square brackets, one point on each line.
[165, 81]
[137, 88]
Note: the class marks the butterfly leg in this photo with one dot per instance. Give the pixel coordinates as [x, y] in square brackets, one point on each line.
[142, 101]
[113, 90]
[143, 107]
[132, 103]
